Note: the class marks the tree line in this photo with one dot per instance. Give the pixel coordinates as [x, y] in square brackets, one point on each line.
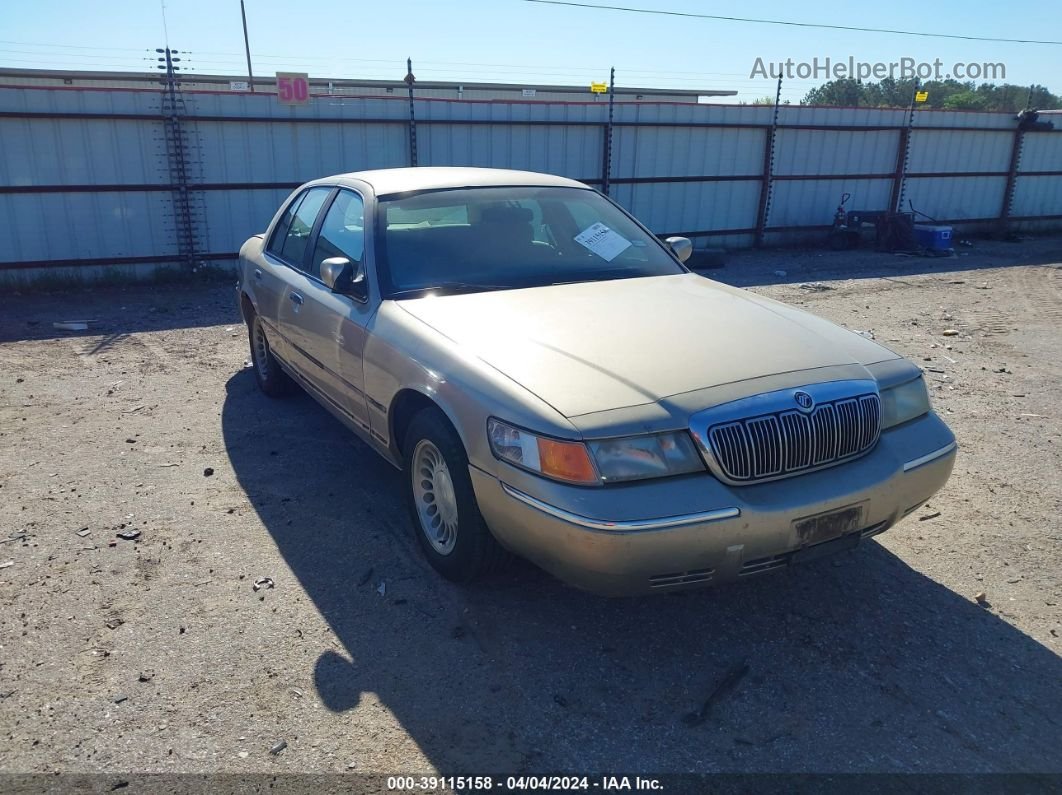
[942, 95]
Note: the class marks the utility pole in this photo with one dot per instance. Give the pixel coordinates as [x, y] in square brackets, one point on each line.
[410, 80]
[247, 47]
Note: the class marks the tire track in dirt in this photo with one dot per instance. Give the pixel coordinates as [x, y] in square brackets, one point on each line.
[1040, 289]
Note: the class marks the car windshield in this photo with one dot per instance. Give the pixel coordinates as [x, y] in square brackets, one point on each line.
[478, 239]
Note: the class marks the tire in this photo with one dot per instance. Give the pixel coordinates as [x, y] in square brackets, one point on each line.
[442, 505]
[271, 378]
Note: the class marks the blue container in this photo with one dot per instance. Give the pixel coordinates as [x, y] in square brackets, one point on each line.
[934, 238]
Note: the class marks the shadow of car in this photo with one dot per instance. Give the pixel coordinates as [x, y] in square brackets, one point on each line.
[859, 663]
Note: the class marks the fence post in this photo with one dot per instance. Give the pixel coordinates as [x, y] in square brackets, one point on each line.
[1012, 174]
[1015, 164]
[606, 165]
[903, 156]
[172, 107]
[767, 172]
[410, 80]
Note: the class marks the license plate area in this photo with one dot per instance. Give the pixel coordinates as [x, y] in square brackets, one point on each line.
[830, 525]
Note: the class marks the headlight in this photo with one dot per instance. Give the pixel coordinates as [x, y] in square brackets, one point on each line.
[608, 460]
[904, 402]
[639, 457]
[567, 461]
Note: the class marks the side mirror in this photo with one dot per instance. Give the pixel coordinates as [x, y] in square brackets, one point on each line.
[681, 247]
[344, 277]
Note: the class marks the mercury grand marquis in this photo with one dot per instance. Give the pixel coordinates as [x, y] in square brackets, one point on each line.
[556, 384]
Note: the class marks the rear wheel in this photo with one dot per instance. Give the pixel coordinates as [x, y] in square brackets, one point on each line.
[268, 373]
[442, 504]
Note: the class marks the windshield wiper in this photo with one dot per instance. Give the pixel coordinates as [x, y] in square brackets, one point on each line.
[451, 287]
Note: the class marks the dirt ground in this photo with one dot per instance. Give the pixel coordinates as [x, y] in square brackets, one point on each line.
[157, 654]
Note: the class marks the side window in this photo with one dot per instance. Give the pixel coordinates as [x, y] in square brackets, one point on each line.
[276, 243]
[342, 232]
[297, 236]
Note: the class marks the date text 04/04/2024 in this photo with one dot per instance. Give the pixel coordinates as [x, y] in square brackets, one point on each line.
[522, 783]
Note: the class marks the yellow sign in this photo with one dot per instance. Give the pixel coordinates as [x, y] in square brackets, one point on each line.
[599, 88]
[921, 96]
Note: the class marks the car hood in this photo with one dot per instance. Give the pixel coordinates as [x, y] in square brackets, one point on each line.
[597, 346]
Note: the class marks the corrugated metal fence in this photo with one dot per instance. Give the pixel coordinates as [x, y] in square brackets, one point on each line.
[87, 176]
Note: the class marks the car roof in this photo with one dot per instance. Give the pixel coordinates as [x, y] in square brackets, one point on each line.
[401, 180]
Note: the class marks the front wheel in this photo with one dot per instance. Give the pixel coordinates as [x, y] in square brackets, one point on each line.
[267, 371]
[442, 504]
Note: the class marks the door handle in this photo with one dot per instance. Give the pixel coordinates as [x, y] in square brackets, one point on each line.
[295, 298]
[258, 274]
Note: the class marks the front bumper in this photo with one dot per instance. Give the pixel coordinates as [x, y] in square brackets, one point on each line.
[693, 531]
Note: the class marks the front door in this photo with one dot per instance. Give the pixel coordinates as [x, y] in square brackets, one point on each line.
[330, 328]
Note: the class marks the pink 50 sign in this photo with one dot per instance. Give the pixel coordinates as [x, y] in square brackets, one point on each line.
[293, 88]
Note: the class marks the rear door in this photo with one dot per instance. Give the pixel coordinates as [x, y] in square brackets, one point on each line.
[270, 276]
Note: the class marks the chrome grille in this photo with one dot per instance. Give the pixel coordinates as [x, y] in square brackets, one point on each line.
[789, 442]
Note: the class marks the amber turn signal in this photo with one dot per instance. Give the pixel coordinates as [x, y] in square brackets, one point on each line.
[566, 461]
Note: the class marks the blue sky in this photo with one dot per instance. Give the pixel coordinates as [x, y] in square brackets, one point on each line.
[519, 42]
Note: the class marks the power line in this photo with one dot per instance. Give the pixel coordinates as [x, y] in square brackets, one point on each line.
[561, 70]
[37, 64]
[71, 46]
[530, 77]
[690, 15]
[66, 54]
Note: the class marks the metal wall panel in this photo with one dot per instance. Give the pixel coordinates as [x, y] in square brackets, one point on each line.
[691, 206]
[287, 152]
[1042, 151]
[57, 226]
[1037, 196]
[266, 106]
[234, 215]
[956, 198]
[568, 151]
[812, 202]
[73, 101]
[686, 151]
[693, 114]
[835, 152]
[866, 117]
[80, 152]
[964, 118]
[934, 151]
[508, 112]
[244, 139]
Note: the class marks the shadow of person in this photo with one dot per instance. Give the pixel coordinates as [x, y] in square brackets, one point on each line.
[858, 663]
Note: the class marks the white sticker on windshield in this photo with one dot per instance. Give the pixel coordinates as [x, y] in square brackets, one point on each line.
[603, 241]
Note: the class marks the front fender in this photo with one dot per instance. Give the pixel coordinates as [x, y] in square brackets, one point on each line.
[404, 353]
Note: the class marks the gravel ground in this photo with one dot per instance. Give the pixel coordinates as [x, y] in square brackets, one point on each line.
[157, 654]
